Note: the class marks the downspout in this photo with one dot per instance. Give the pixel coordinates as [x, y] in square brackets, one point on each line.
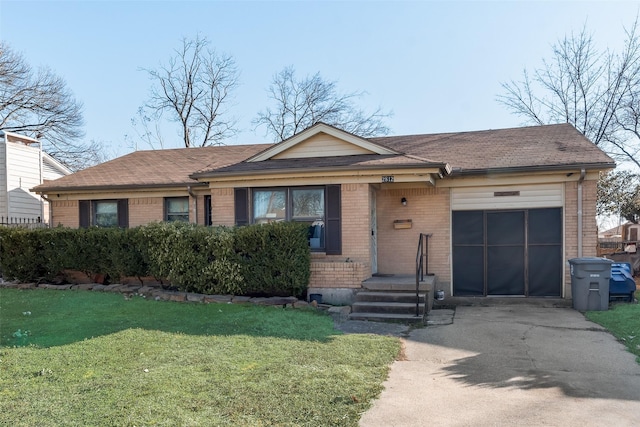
[195, 203]
[48, 200]
[580, 180]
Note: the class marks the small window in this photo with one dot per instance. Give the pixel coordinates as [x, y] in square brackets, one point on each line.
[103, 213]
[106, 213]
[177, 209]
[208, 220]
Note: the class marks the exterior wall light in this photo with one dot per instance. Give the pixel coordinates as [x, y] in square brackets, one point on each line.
[403, 201]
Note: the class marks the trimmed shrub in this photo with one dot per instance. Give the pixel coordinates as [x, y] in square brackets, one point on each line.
[269, 259]
[275, 258]
[193, 258]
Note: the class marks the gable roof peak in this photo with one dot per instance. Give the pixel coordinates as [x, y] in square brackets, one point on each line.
[318, 128]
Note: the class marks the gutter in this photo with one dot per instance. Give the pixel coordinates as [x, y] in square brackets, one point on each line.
[110, 188]
[445, 168]
[195, 203]
[580, 226]
[538, 168]
[46, 198]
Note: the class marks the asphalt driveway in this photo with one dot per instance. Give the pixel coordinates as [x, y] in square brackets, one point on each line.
[521, 365]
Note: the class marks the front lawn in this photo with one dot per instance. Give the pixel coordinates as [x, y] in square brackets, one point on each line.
[623, 321]
[96, 359]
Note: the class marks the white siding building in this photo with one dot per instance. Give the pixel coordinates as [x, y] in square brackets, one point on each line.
[23, 165]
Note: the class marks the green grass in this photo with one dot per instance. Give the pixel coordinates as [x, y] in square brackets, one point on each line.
[94, 359]
[623, 321]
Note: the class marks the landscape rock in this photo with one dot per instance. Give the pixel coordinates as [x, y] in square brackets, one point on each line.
[217, 298]
[177, 296]
[195, 297]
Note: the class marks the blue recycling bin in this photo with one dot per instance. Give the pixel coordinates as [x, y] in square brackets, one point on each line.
[621, 284]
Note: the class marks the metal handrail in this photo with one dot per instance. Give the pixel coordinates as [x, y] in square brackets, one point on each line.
[422, 265]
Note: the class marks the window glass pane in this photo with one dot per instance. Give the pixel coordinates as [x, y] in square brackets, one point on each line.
[106, 214]
[269, 206]
[316, 234]
[308, 203]
[178, 209]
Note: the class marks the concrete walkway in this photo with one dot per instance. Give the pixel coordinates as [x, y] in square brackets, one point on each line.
[521, 365]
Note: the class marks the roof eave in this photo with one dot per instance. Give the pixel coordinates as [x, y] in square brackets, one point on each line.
[204, 175]
[537, 168]
[40, 190]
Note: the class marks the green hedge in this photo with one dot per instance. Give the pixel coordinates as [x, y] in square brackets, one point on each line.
[272, 255]
[269, 259]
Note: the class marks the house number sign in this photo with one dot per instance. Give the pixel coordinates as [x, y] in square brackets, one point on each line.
[387, 178]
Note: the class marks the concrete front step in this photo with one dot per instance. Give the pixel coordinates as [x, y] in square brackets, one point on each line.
[410, 297]
[399, 282]
[387, 317]
[387, 307]
[393, 298]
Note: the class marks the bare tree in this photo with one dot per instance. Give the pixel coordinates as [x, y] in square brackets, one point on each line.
[300, 103]
[194, 90]
[597, 92]
[39, 104]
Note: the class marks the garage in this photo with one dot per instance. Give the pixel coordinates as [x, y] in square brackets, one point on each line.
[513, 251]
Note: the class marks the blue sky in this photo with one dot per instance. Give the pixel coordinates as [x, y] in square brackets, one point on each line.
[437, 65]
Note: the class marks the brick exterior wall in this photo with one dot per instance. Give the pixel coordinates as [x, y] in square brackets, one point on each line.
[589, 225]
[222, 206]
[65, 212]
[356, 223]
[428, 209]
[142, 210]
[338, 274]
[349, 269]
[145, 210]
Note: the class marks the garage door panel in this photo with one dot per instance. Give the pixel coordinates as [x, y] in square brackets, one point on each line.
[545, 271]
[508, 252]
[505, 270]
[469, 229]
[468, 271]
[505, 228]
[545, 226]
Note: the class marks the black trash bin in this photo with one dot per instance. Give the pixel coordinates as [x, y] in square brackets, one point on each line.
[590, 283]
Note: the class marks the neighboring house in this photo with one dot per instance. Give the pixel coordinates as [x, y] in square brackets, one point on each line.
[24, 165]
[613, 233]
[505, 208]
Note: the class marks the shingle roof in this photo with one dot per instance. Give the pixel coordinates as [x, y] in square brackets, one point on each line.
[535, 146]
[527, 148]
[362, 161]
[153, 168]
